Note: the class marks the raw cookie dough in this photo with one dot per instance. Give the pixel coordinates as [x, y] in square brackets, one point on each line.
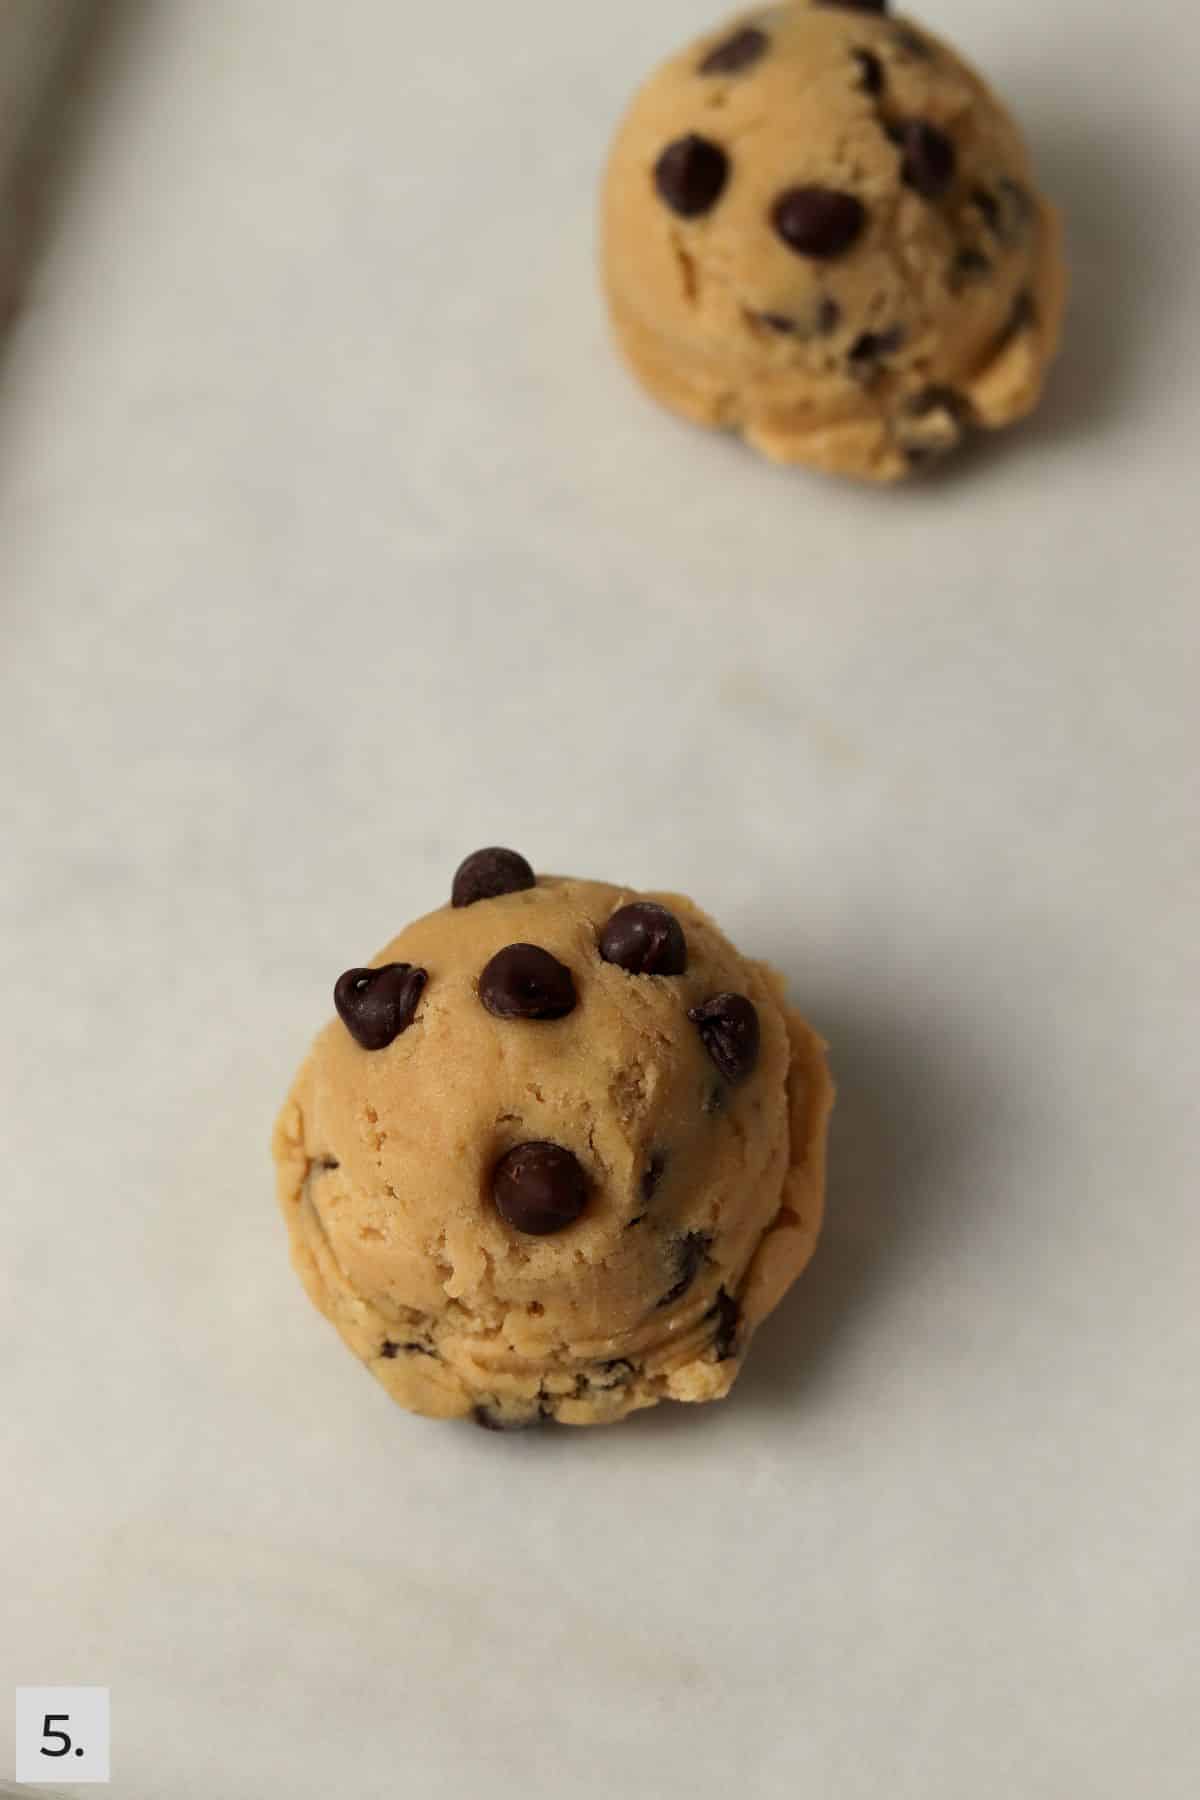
[820, 230]
[560, 1153]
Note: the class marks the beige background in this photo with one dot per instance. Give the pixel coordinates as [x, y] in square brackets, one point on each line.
[332, 544]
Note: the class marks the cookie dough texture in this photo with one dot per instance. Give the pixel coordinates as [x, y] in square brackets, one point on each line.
[867, 358]
[704, 1197]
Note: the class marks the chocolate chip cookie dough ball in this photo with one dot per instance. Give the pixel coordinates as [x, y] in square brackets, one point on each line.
[558, 1154]
[820, 230]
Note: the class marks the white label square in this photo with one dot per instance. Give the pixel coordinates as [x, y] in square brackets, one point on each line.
[62, 1734]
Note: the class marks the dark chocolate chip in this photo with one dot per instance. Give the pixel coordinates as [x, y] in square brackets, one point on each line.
[871, 348]
[643, 938]
[486, 874]
[736, 53]
[1021, 318]
[871, 76]
[652, 1174]
[523, 981]
[988, 206]
[690, 1253]
[376, 1005]
[928, 158]
[391, 1349]
[829, 316]
[539, 1188]
[969, 265]
[728, 1026]
[729, 1318]
[690, 175]
[326, 1164]
[870, 6]
[817, 221]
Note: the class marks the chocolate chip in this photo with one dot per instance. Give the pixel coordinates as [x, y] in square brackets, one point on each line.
[871, 76]
[390, 1349]
[523, 981]
[376, 1005]
[928, 158]
[1021, 318]
[736, 53]
[1024, 312]
[643, 938]
[728, 1026]
[326, 1164]
[690, 175]
[777, 322]
[969, 265]
[729, 1319]
[987, 204]
[871, 6]
[539, 1188]
[829, 316]
[817, 221]
[690, 1253]
[652, 1174]
[486, 874]
[871, 348]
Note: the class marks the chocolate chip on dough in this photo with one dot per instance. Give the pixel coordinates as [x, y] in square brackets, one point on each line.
[523, 981]
[486, 874]
[376, 1005]
[539, 1188]
[690, 175]
[819, 222]
[644, 938]
[736, 53]
[729, 1031]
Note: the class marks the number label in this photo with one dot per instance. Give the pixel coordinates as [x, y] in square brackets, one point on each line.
[62, 1734]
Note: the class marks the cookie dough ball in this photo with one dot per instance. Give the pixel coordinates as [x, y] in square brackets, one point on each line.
[559, 1153]
[820, 230]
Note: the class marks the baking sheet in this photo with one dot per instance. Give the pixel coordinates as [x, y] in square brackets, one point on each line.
[333, 544]
[40, 44]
